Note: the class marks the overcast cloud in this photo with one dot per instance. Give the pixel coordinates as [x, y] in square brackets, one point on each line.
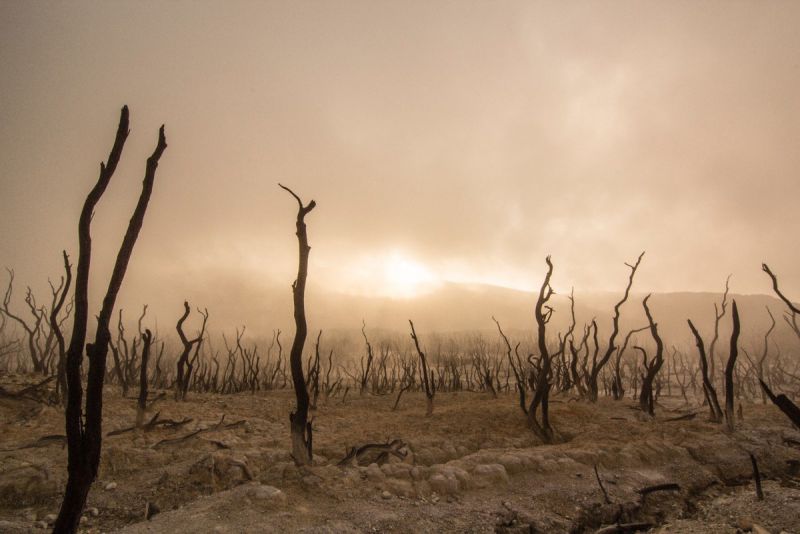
[469, 138]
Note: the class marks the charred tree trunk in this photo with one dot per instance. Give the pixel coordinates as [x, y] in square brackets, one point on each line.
[365, 370]
[84, 435]
[708, 386]
[598, 366]
[516, 367]
[651, 370]
[147, 340]
[785, 405]
[730, 416]
[300, 427]
[617, 387]
[61, 379]
[794, 310]
[428, 382]
[184, 367]
[540, 379]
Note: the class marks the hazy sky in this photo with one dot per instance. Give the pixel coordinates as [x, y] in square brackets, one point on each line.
[441, 140]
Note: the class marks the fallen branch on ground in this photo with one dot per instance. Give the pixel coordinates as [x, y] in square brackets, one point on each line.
[671, 486]
[219, 426]
[362, 455]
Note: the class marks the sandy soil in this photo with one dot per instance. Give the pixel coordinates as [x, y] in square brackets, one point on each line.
[471, 467]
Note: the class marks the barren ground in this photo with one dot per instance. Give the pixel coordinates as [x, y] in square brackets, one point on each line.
[471, 467]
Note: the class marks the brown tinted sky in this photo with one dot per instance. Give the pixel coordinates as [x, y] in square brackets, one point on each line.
[442, 140]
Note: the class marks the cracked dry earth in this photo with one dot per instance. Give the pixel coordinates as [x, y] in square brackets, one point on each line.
[471, 467]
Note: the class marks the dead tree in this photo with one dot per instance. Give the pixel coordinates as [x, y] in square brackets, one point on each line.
[184, 366]
[791, 319]
[300, 426]
[617, 388]
[55, 326]
[719, 313]
[758, 364]
[33, 329]
[571, 377]
[141, 406]
[84, 434]
[428, 382]
[516, 367]
[730, 416]
[365, 369]
[785, 405]
[708, 386]
[540, 375]
[122, 356]
[597, 366]
[651, 369]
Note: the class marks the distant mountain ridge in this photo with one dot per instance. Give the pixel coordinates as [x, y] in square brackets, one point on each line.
[454, 307]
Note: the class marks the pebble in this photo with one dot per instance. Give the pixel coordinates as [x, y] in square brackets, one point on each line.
[386, 495]
[49, 519]
[111, 486]
[94, 511]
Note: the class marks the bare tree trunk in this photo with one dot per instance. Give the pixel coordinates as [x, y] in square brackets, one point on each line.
[300, 427]
[61, 379]
[365, 370]
[598, 366]
[730, 416]
[147, 340]
[84, 435]
[646, 399]
[719, 313]
[184, 368]
[540, 378]
[708, 386]
[428, 383]
[783, 402]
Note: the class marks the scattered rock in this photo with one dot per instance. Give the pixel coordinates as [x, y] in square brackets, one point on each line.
[111, 486]
[386, 495]
[486, 475]
[513, 464]
[267, 495]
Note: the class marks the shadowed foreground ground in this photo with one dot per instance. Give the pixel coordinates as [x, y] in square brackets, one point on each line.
[471, 467]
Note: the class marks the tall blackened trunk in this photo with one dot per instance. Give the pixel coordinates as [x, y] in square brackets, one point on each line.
[540, 377]
[84, 434]
[730, 416]
[708, 386]
[184, 366]
[300, 427]
[653, 367]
